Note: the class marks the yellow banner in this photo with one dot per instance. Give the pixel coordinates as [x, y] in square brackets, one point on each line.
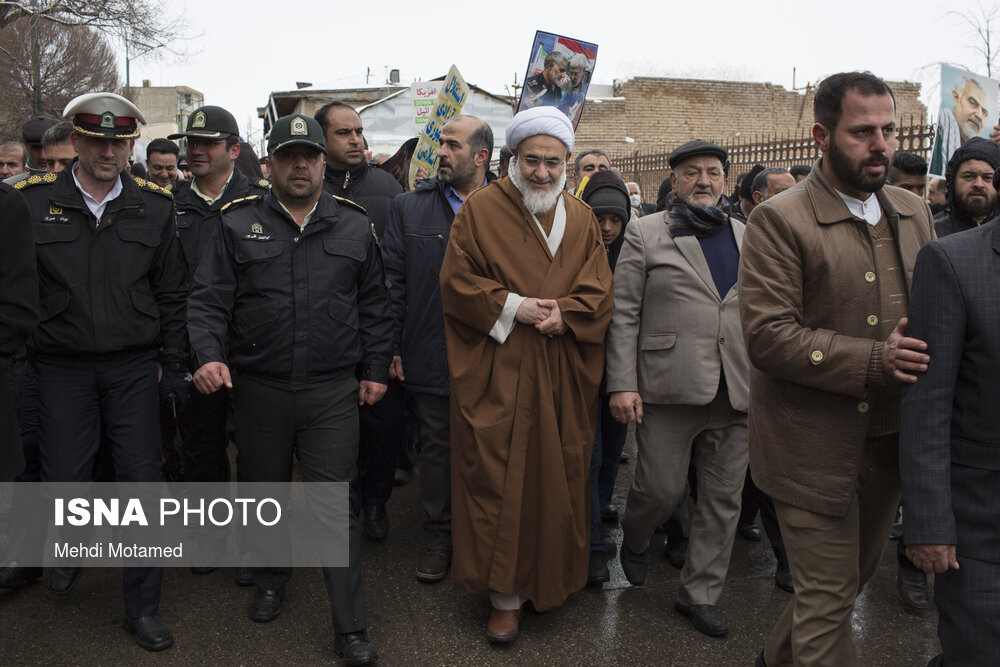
[450, 101]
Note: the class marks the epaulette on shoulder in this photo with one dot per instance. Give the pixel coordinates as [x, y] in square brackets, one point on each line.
[35, 179]
[239, 202]
[264, 183]
[152, 187]
[352, 204]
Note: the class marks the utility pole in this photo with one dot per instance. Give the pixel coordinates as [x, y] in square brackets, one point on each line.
[36, 65]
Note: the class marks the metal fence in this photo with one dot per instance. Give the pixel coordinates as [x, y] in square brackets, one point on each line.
[649, 168]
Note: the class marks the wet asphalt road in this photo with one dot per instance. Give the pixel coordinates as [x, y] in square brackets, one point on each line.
[418, 624]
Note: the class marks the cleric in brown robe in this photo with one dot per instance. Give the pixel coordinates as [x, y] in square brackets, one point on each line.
[527, 296]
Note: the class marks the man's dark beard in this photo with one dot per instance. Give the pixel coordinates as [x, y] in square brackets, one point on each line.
[851, 173]
[975, 209]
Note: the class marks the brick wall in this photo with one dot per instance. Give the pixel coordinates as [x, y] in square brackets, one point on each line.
[661, 113]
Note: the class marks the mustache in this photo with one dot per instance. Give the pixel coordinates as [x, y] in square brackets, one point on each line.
[877, 161]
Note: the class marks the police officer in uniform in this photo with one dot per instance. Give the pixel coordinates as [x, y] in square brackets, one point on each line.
[212, 147]
[290, 307]
[112, 291]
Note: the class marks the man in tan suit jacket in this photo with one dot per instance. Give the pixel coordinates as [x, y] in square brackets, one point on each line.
[677, 365]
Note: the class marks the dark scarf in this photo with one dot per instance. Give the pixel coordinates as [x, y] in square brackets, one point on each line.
[686, 220]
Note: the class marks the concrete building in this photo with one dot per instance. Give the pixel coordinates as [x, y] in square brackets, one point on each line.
[166, 108]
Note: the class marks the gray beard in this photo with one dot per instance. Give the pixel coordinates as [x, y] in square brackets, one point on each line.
[536, 202]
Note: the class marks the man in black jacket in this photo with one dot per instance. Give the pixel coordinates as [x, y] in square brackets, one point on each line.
[112, 287]
[414, 245]
[212, 147]
[291, 297]
[971, 197]
[18, 316]
[383, 425]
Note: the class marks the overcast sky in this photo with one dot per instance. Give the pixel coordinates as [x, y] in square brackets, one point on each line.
[239, 52]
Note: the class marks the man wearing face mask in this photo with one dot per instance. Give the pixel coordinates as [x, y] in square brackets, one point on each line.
[635, 200]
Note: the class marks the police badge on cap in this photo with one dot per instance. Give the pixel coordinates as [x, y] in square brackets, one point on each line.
[209, 122]
[104, 115]
[295, 129]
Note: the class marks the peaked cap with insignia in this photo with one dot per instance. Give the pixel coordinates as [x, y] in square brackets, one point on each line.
[209, 122]
[295, 129]
[104, 115]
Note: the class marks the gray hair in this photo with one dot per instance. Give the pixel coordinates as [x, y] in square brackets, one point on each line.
[760, 180]
[963, 81]
[552, 58]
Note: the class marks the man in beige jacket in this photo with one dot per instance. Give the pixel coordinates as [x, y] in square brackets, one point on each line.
[824, 281]
[676, 364]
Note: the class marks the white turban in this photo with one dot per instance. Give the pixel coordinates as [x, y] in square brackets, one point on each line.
[540, 120]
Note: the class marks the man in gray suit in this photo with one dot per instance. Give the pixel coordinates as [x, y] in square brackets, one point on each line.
[949, 440]
[677, 365]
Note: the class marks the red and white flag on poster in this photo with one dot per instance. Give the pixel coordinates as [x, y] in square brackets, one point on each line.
[559, 73]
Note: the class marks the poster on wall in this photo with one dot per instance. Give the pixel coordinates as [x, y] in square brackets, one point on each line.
[968, 109]
[558, 75]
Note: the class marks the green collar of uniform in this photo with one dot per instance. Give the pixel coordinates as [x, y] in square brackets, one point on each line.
[194, 189]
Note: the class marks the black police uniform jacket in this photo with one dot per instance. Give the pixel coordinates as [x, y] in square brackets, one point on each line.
[18, 277]
[111, 285]
[196, 219]
[371, 187]
[292, 307]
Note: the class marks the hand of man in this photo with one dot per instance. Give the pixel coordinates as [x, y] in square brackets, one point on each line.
[626, 406]
[531, 312]
[396, 369]
[995, 134]
[933, 557]
[370, 392]
[211, 377]
[552, 325]
[901, 354]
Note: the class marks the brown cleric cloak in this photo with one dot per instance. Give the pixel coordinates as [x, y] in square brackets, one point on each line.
[522, 413]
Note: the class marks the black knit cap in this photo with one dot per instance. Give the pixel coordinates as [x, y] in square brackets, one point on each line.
[975, 148]
[606, 193]
[746, 185]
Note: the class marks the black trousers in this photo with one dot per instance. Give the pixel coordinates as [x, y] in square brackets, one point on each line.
[968, 601]
[753, 500]
[11, 453]
[383, 436]
[434, 418]
[114, 400]
[319, 426]
[201, 425]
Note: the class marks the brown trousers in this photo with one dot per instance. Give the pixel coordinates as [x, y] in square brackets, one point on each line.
[831, 560]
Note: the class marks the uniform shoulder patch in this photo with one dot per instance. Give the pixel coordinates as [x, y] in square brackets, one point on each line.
[240, 202]
[35, 179]
[149, 186]
[264, 183]
[352, 204]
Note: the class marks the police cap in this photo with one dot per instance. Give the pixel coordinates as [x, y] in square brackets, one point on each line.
[295, 129]
[34, 128]
[104, 115]
[209, 123]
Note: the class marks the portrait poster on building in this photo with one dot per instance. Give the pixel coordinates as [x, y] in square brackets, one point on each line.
[452, 93]
[558, 75]
[968, 109]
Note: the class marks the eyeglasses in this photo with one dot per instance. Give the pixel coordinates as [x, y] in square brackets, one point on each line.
[551, 163]
[207, 143]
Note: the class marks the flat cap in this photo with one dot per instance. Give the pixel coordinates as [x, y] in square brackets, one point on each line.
[209, 122]
[698, 147]
[35, 127]
[104, 115]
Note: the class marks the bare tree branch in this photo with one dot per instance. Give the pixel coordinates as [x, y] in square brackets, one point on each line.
[982, 25]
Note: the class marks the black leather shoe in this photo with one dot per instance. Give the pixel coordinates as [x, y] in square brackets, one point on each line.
[676, 552]
[355, 648]
[634, 565]
[401, 477]
[610, 548]
[266, 605]
[150, 632]
[63, 579]
[783, 580]
[15, 576]
[434, 566]
[704, 617]
[749, 532]
[912, 586]
[376, 522]
[598, 570]
[243, 576]
[759, 662]
[609, 513]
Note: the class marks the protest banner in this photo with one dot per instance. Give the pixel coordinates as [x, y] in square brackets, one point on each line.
[451, 98]
[968, 109]
[559, 73]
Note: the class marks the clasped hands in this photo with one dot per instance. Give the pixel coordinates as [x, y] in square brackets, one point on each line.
[543, 314]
